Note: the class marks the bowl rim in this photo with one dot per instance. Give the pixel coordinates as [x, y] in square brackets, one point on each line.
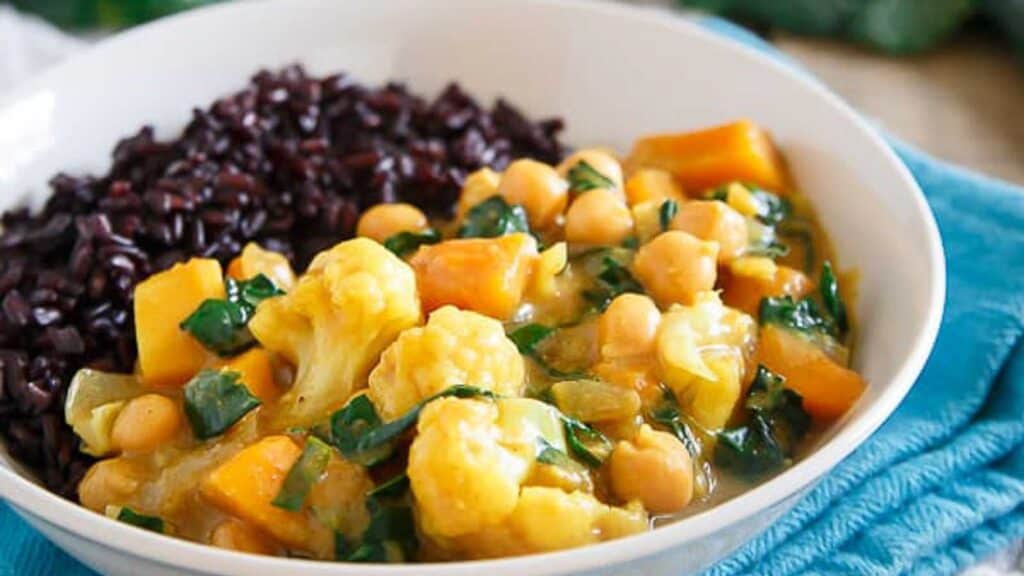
[29, 498]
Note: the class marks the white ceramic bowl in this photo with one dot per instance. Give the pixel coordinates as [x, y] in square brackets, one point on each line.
[613, 73]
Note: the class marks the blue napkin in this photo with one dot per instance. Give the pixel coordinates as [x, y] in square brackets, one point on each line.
[941, 485]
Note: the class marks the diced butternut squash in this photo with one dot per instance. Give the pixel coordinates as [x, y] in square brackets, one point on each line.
[255, 260]
[706, 158]
[652, 185]
[828, 389]
[257, 373]
[169, 356]
[245, 486]
[745, 291]
[486, 275]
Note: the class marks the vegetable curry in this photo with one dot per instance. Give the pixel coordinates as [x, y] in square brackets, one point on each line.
[609, 344]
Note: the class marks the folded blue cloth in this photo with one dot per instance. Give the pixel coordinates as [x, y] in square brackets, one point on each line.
[941, 484]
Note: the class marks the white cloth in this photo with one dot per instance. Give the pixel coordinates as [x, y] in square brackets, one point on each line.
[29, 45]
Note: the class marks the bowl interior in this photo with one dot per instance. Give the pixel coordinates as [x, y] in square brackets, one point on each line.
[612, 73]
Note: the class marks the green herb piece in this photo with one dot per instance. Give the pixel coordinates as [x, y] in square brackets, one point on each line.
[777, 422]
[391, 533]
[829, 288]
[667, 414]
[306, 471]
[802, 316]
[772, 208]
[528, 337]
[721, 194]
[667, 211]
[584, 177]
[586, 443]
[151, 523]
[551, 455]
[357, 430]
[406, 242]
[772, 249]
[492, 218]
[214, 401]
[220, 325]
[631, 243]
[613, 280]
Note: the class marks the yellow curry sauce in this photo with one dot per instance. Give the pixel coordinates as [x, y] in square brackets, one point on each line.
[602, 343]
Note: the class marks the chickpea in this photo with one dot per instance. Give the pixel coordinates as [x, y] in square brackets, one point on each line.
[653, 468]
[385, 220]
[145, 423]
[237, 535]
[628, 327]
[108, 482]
[598, 217]
[537, 188]
[715, 222]
[600, 160]
[675, 267]
[479, 186]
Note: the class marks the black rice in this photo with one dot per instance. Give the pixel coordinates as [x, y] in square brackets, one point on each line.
[289, 162]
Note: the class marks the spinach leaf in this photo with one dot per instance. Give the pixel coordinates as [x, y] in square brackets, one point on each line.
[306, 471]
[772, 208]
[552, 456]
[770, 249]
[391, 533]
[584, 177]
[829, 288]
[667, 414]
[357, 430]
[214, 401]
[492, 218]
[613, 280]
[800, 315]
[220, 325]
[777, 422]
[667, 211]
[151, 523]
[405, 242]
[528, 337]
[631, 243]
[586, 443]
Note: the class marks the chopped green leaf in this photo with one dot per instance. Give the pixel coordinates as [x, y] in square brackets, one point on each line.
[391, 533]
[763, 241]
[829, 288]
[668, 414]
[492, 218]
[306, 471]
[773, 249]
[772, 208]
[151, 523]
[802, 316]
[357, 430]
[777, 422]
[214, 401]
[586, 443]
[613, 280]
[392, 488]
[548, 454]
[528, 337]
[667, 211]
[405, 242]
[721, 194]
[584, 177]
[220, 325]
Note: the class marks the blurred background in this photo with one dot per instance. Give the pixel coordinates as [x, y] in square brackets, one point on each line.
[946, 75]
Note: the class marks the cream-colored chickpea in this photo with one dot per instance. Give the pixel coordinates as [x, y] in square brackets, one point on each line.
[108, 482]
[385, 220]
[716, 222]
[675, 267]
[598, 217]
[628, 327]
[145, 423]
[237, 535]
[601, 160]
[536, 187]
[479, 186]
[654, 468]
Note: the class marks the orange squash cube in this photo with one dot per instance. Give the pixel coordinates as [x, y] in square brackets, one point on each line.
[257, 373]
[245, 486]
[168, 355]
[740, 151]
[485, 275]
[746, 292]
[828, 389]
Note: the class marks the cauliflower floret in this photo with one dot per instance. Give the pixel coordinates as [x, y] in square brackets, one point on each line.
[455, 347]
[351, 303]
[469, 466]
[702, 352]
